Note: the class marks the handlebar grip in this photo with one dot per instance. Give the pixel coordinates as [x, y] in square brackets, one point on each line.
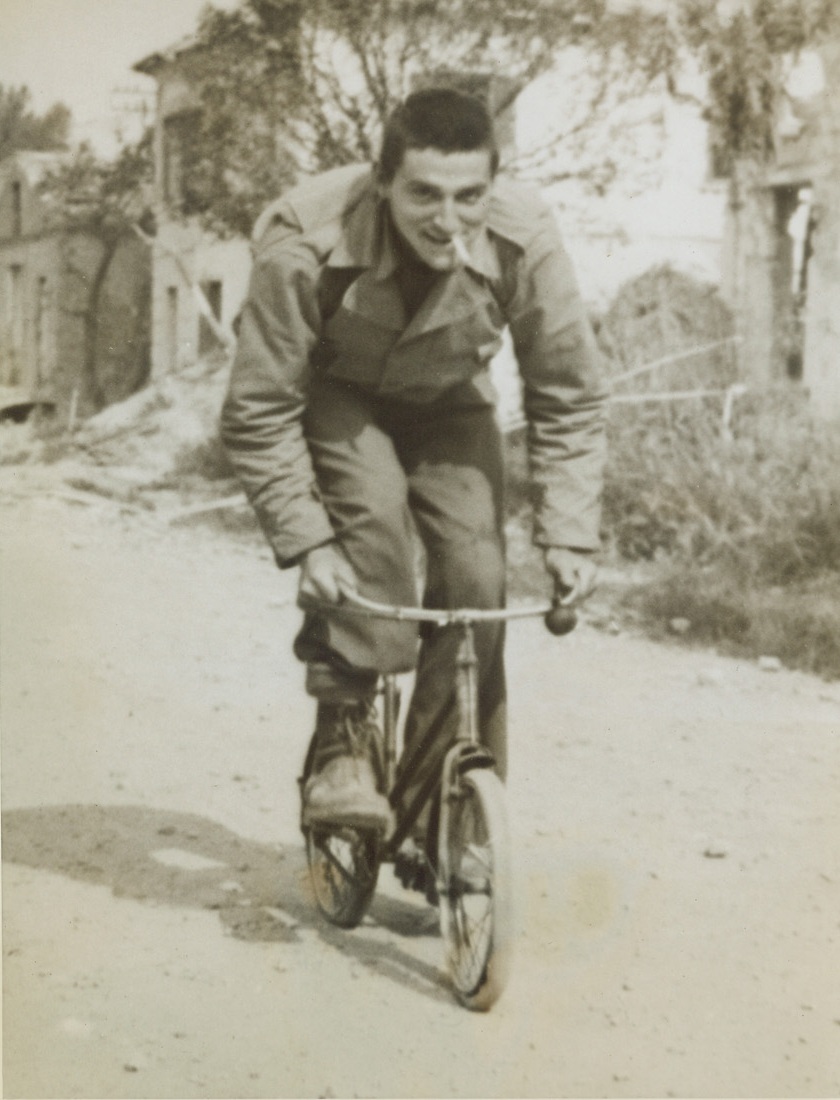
[560, 619]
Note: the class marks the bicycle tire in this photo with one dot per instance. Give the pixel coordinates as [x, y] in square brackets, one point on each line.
[343, 869]
[476, 898]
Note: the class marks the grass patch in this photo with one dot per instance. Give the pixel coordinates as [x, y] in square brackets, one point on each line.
[743, 523]
[737, 526]
[799, 624]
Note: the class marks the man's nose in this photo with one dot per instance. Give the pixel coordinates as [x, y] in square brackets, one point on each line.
[447, 216]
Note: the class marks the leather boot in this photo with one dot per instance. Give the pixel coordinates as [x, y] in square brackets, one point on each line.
[344, 789]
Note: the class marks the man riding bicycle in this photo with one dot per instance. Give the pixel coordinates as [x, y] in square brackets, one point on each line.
[361, 411]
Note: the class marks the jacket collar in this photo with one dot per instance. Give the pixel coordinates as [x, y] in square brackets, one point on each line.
[367, 242]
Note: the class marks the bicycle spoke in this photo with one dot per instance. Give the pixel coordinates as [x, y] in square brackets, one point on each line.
[344, 867]
[476, 933]
[478, 853]
[336, 863]
[477, 899]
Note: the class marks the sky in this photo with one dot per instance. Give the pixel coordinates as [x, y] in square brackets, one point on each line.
[80, 52]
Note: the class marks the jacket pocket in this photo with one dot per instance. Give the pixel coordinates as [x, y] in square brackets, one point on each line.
[354, 348]
[434, 361]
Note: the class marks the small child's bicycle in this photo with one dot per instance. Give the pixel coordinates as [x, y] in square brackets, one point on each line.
[472, 876]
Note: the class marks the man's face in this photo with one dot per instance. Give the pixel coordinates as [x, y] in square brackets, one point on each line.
[436, 196]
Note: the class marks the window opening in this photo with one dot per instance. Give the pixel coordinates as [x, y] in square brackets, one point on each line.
[41, 307]
[794, 226]
[17, 209]
[12, 367]
[207, 341]
[172, 328]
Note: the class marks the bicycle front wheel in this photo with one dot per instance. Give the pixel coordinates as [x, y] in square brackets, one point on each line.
[476, 903]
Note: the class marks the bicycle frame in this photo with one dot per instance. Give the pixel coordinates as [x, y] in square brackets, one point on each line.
[444, 772]
[471, 852]
[466, 749]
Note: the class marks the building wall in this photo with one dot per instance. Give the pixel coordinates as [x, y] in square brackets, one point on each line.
[22, 213]
[822, 322]
[605, 260]
[681, 217]
[185, 258]
[44, 289]
[661, 208]
[46, 273]
[750, 273]
[784, 340]
[30, 293]
[30, 274]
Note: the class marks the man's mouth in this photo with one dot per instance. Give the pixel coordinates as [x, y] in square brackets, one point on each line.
[454, 244]
[438, 242]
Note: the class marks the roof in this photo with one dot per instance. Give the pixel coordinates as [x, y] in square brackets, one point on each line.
[156, 61]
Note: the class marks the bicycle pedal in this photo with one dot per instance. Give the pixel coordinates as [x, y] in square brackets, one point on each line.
[410, 870]
[414, 873]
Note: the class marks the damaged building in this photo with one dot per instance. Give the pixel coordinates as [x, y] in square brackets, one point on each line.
[62, 345]
[773, 248]
[782, 254]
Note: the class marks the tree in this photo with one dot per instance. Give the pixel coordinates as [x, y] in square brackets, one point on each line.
[21, 128]
[744, 55]
[105, 202]
[289, 87]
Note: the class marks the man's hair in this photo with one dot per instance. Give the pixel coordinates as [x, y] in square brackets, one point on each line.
[436, 118]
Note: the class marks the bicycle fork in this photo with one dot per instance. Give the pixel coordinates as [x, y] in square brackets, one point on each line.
[466, 751]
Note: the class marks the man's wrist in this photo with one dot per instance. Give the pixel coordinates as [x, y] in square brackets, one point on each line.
[575, 572]
[300, 557]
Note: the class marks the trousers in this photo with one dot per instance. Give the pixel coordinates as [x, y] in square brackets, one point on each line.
[388, 471]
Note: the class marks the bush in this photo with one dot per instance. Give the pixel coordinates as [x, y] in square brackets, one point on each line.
[745, 521]
[762, 498]
[656, 318]
[797, 623]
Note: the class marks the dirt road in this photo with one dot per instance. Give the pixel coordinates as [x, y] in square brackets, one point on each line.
[676, 820]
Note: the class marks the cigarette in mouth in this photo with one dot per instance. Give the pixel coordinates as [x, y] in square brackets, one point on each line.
[460, 250]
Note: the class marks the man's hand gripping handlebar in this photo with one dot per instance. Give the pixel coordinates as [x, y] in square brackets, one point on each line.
[558, 618]
[328, 581]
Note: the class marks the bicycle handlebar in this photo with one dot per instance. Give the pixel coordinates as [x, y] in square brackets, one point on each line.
[559, 618]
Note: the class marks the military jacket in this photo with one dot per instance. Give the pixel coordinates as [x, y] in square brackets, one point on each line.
[323, 297]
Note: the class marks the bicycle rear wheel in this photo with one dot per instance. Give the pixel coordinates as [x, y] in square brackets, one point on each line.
[343, 868]
[476, 903]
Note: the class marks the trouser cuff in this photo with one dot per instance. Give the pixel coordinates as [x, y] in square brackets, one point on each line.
[329, 684]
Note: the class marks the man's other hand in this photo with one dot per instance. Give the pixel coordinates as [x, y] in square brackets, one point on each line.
[326, 573]
[575, 573]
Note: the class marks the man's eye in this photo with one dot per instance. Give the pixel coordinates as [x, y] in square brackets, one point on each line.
[470, 198]
[423, 194]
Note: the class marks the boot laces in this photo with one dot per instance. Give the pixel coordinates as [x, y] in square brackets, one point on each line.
[359, 728]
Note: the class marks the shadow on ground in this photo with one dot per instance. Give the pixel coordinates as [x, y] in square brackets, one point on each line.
[261, 892]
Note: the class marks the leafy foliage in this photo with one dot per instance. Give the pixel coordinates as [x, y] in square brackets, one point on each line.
[106, 201]
[21, 128]
[665, 316]
[743, 55]
[286, 87]
[104, 198]
[763, 502]
[742, 526]
[799, 623]
[244, 69]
